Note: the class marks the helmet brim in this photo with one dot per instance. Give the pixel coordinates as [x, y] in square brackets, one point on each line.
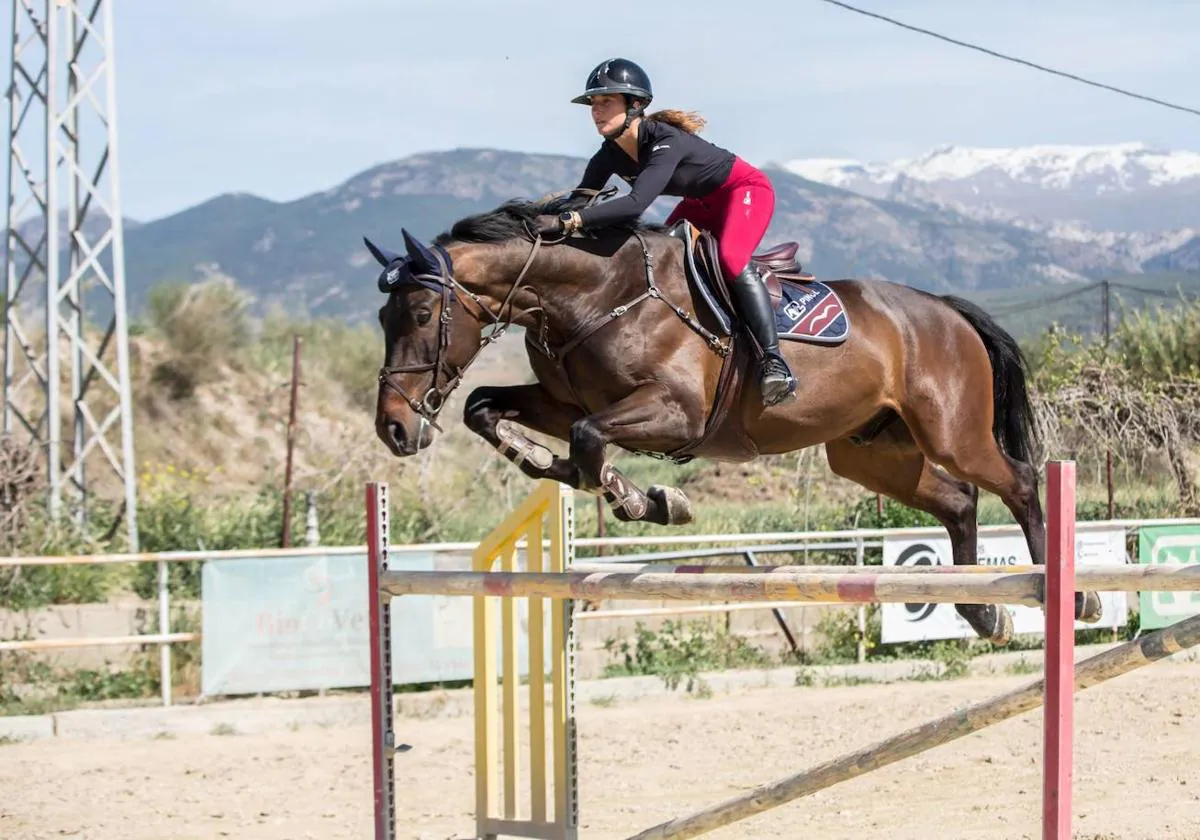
[585, 98]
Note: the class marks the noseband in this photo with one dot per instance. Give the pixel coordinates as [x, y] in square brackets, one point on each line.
[434, 399]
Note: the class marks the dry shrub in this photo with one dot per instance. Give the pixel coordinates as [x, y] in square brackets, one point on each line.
[206, 326]
[22, 481]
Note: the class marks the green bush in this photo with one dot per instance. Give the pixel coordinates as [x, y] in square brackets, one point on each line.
[678, 652]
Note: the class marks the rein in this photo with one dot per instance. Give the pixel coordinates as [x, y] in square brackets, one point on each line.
[434, 398]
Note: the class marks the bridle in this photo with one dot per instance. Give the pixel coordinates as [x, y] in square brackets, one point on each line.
[434, 399]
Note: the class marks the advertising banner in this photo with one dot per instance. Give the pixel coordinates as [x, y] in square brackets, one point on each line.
[924, 622]
[301, 623]
[1168, 544]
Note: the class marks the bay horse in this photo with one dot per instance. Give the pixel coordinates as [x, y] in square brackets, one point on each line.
[923, 398]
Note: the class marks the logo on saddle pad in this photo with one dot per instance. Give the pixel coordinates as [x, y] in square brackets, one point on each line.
[810, 312]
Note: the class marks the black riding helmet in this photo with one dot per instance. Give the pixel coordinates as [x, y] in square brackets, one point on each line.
[617, 75]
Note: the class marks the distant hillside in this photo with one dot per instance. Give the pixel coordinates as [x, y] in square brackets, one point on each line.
[307, 255]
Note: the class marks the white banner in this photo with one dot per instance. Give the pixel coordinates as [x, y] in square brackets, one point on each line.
[287, 624]
[924, 622]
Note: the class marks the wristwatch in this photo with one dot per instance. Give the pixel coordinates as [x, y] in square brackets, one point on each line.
[570, 220]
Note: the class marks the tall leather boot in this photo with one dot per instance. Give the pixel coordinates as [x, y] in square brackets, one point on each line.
[754, 300]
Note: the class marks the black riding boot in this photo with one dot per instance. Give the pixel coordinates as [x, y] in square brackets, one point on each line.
[754, 300]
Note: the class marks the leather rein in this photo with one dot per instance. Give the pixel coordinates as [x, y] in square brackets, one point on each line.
[434, 399]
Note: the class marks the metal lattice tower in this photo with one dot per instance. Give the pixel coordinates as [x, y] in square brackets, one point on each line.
[65, 260]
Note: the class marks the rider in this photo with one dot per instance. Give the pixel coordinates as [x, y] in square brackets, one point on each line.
[661, 154]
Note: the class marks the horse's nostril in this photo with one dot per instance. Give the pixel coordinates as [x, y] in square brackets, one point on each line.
[396, 433]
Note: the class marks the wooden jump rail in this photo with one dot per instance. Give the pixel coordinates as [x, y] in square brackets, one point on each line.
[1112, 663]
[900, 584]
[560, 582]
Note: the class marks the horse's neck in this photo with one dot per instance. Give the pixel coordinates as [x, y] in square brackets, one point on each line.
[561, 287]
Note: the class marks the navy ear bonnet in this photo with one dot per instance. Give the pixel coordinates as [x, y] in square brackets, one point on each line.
[421, 259]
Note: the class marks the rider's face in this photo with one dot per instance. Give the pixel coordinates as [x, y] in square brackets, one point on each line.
[608, 112]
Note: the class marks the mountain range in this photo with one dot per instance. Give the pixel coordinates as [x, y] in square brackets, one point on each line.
[1129, 187]
[970, 221]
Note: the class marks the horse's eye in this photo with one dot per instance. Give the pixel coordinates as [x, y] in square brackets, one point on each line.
[422, 316]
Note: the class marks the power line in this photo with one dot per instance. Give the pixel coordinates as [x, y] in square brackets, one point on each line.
[1044, 69]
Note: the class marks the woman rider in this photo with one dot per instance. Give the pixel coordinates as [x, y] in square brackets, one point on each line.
[661, 154]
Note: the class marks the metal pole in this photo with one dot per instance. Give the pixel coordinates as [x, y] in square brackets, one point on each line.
[751, 560]
[53, 268]
[1108, 473]
[312, 531]
[286, 538]
[164, 627]
[128, 470]
[859, 552]
[72, 290]
[383, 737]
[601, 528]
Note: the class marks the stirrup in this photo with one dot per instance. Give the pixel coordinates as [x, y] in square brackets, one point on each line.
[777, 381]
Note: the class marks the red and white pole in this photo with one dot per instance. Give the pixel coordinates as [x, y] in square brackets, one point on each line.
[1059, 703]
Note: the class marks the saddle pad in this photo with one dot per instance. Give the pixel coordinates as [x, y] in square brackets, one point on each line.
[811, 312]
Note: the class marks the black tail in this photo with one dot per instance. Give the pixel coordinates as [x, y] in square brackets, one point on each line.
[1014, 426]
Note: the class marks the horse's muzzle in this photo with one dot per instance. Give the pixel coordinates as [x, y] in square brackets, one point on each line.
[401, 442]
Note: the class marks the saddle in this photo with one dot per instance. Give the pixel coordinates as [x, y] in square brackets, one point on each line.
[703, 267]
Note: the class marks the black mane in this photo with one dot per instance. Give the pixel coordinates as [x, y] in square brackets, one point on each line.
[511, 220]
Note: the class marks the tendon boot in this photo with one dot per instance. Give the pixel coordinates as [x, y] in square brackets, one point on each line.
[754, 301]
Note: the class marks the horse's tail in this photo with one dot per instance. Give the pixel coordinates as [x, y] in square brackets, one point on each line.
[1014, 425]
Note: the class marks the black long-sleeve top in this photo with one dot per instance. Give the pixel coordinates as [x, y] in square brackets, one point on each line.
[670, 162]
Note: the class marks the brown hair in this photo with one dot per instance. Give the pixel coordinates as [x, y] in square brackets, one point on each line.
[688, 121]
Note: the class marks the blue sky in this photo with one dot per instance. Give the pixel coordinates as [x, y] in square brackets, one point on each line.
[282, 98]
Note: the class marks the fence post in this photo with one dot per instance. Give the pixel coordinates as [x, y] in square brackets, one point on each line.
[164, 627]
[859, 559]
[1059, 601]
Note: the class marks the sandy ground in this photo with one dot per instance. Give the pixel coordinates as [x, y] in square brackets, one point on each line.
[1136, 774]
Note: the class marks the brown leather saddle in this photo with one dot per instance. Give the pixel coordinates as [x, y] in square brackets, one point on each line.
[703, 267]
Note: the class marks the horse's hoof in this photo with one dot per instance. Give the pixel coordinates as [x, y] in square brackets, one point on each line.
[673, 502]
[992, 622]
[1088, 607]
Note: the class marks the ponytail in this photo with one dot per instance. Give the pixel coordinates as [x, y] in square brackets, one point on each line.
[688, 121]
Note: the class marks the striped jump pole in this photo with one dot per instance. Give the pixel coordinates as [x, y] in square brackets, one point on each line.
[899, 584]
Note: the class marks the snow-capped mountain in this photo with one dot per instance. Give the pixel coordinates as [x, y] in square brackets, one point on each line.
[1126, 187]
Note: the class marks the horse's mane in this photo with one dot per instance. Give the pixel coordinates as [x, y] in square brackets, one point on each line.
[511, 219]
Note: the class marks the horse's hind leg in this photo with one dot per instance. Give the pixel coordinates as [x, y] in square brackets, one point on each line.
[979, 460]
[895, 467]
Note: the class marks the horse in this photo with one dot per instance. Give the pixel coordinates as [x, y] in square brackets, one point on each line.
[920, 397]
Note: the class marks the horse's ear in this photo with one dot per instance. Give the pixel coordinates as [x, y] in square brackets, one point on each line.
[422, 258]
[382, 255]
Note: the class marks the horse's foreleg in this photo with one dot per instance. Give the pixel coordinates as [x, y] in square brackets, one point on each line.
[648, 420]
[494, 412]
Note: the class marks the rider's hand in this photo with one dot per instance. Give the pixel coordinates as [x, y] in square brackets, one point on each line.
[546, 225]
